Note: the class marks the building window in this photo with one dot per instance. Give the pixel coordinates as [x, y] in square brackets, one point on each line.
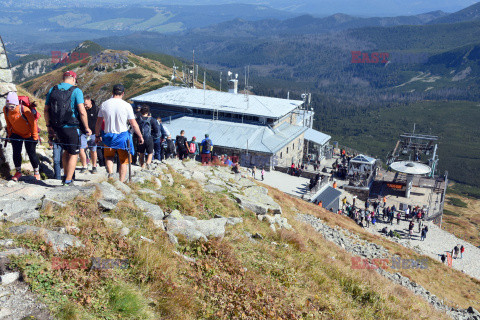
[281, 154]
[293, 146]
[287, 150]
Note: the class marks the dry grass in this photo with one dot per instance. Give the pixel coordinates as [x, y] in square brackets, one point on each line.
[286, 275]
[453, 286]
[464, 223]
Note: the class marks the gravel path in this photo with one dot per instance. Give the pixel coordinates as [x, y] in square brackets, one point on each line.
[438, 241]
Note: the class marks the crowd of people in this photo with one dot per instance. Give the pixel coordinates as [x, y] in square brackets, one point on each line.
[98, 135]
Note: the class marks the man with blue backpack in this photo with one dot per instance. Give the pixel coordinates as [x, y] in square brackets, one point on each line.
[150, 131]
[206, 148]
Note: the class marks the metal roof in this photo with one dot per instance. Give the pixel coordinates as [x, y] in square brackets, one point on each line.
[317, 136]
[410, 167]
[328, 196]
[236, 135]
[222, 101]
[361, 158]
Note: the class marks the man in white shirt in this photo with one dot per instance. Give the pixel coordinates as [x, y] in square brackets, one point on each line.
[116, 114]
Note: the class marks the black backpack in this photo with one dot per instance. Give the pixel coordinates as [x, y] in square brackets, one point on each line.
[207, 145]
[146, 127]
[60, 111]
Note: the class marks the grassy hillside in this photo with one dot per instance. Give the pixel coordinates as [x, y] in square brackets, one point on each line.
[376, 132]
[282, 275]
[96, 76]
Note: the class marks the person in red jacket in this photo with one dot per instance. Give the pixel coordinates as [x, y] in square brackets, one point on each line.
[21, 128]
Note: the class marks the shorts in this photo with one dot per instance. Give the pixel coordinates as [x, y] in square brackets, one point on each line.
[122, 154]
[90, 143]
[146, 147]
[69, 139]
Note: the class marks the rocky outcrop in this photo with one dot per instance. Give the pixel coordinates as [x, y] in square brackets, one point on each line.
[59, 241]
[256, 199]
[6, 86]
[193, 229]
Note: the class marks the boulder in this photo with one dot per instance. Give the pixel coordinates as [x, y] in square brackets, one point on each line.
[175, 215]
[13, 252]
[58, 240]
[110, 196]
[259, 203]
[113, 223]
[194, 229]
[199, 176]
[185, 228]
[19, 210]
[9, 278]
[213, 188]
[152, 211]
[122, 187]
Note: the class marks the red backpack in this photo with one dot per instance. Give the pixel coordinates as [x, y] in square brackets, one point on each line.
[24, 101]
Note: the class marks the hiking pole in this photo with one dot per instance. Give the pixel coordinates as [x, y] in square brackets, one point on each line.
[129, 162]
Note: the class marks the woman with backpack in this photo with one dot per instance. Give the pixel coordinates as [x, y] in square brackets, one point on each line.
[22, 128]
[193, 148]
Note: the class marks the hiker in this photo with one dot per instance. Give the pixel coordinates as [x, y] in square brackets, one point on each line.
[228, 162]
[150, 131]
[462, 250]
[21, 128]
[420, 225]
[410, 229]
[117, 138]
[206, 148]
[443, 257]
[368, 219]
[182, 145]
[254, 171]
[455, 251]
[64, 111]
[157, 143]
[169, 148]
[193, 148]
[57, 156]
[263, 173]
[320, 203]
[423, 234]
[89, 142]
[398, 217]
[384, 201]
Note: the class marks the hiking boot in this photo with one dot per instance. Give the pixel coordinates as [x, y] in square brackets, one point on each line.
[37, 176]
[17, 176]
[69, 184]
[111, 175]
[83, 170]
[94, 170]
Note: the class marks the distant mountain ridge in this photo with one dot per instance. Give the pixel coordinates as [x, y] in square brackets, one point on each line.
[468, 14]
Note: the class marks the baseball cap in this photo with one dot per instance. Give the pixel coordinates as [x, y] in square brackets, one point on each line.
[70, 74]
[194, 138]
[119, 88]
[12, 98]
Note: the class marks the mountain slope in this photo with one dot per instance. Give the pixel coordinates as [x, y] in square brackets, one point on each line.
[468, 14]
[98, 74]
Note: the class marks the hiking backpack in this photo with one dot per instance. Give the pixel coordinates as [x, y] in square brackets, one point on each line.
[60, 111]
[193, 147]
[207, 145]
[145, 128]
[24, 101]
